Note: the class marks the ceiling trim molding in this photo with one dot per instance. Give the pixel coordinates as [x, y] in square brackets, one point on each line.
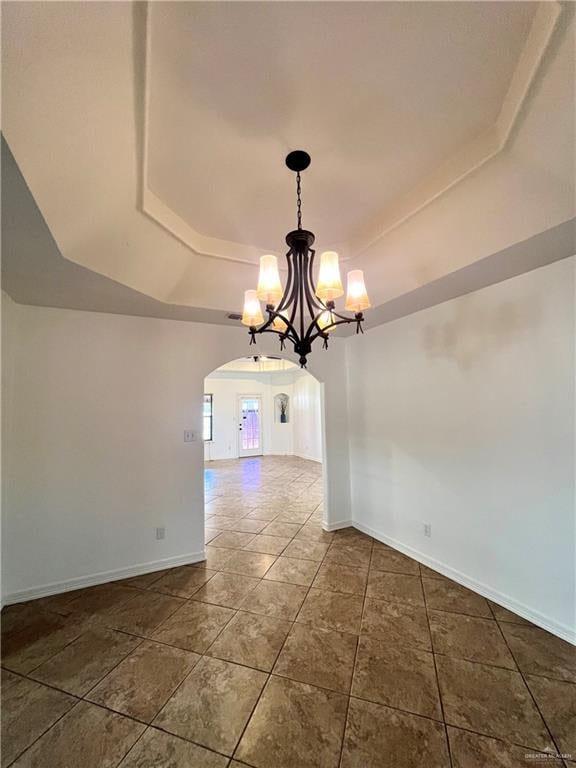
[34, 272]
[492, 142]
[159, 212]
[202, 245]
[543, 249]
[464, 162]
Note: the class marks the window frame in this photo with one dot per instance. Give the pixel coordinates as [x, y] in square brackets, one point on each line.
[209, 416]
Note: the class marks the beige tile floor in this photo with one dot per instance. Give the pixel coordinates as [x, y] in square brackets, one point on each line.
[289, 647]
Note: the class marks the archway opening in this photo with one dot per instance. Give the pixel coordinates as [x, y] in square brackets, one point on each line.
[263, 454]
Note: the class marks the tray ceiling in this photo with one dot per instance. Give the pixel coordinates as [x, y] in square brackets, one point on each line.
[152, 140]
[395, 102]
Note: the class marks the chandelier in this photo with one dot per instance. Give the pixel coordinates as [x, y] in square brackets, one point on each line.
[303, 312]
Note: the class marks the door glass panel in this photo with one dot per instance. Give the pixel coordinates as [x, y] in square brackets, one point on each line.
[250, 424]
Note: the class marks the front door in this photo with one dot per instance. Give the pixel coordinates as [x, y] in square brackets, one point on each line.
[249, 426]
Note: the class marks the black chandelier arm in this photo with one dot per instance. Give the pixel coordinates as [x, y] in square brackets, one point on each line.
[290, 283]
[300, 300]
[290, 299]
[315, 326]
[284, 335]
[291, 320]
[331, 307]
[311, 300]
[324, 332]
[324, 307]
[289, 333]
[318, 303]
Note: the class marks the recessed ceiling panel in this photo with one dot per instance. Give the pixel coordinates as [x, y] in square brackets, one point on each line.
[380, 94]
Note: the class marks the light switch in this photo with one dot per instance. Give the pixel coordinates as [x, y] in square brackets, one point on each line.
[189, 436]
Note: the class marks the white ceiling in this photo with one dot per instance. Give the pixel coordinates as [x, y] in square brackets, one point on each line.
[381, 94]
[34, 272]
[152, 139]
[261, 364]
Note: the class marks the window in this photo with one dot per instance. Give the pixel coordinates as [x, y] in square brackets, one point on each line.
[208, 416]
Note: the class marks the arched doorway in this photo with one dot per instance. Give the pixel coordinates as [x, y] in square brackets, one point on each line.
[263, 430]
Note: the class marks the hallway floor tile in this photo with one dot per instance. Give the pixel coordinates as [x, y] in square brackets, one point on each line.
[287, 647]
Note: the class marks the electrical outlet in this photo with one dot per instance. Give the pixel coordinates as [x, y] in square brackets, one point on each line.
[428, 529]
[189, 436]
[160, 533]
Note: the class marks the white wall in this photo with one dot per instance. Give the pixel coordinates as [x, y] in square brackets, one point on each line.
[226, 388]
[463, 416]
[9, 340]
[301, 436]
[526, 189]
[93, 442]
[307, 417]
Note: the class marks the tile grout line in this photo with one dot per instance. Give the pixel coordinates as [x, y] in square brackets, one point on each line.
[328, 690]
[448, 746]
[138, 740]
[205, 656]
[82, 698]
[151, 638]
[346, 716]
[521, 673]
[80, 617]
[292, 623]
[235, 613]
[19, 755]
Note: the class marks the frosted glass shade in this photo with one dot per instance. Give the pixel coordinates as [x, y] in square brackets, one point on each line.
[326, 319]
[329, 285]
[279, 325]
[356, 295]
[269, 286]
[252, 314]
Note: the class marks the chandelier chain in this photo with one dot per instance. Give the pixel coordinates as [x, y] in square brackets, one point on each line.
[299, 200]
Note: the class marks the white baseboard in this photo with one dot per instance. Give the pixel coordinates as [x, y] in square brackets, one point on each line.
[307, 457]
[337, 526]
[268, 453]
[57, 587]
[545, 622]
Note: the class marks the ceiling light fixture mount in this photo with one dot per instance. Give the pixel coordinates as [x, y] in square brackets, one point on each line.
[303, 311]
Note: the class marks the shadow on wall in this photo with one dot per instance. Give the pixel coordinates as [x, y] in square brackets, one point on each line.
[477, 331]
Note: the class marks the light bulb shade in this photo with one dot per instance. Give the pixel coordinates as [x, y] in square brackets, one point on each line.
[269, 286]
[279, 324]
[356, 296]
[329, 283]
[326, 319]
[252, 314]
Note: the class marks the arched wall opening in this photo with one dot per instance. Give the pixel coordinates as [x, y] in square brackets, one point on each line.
[135, 386]
[327, 367]
[263, 420]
